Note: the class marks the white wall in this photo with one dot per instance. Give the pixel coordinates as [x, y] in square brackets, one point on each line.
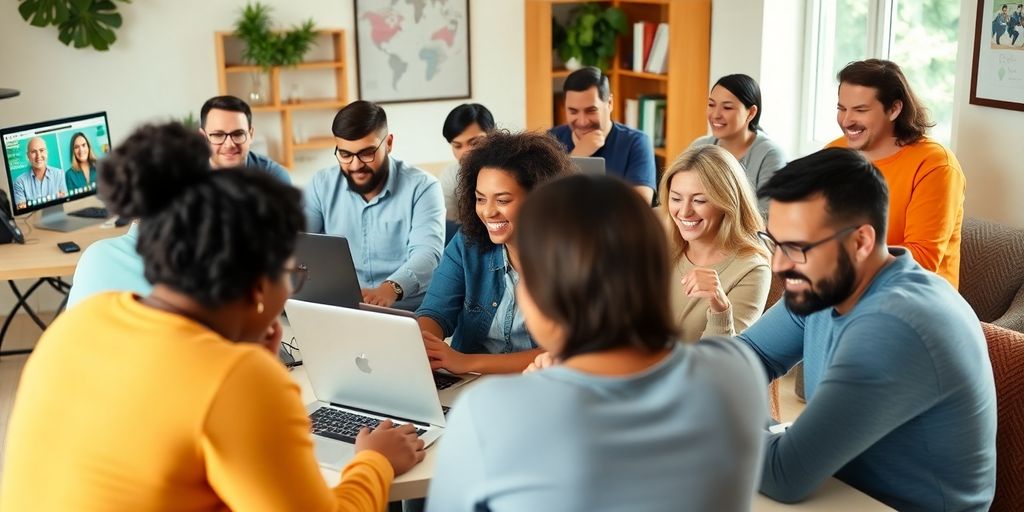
[987, 141]
[163, 65]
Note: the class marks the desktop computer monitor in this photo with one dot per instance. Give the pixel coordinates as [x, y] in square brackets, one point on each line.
[54, 162]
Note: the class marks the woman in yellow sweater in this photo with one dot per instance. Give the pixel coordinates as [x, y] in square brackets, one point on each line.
[175, 401]
[722, 276]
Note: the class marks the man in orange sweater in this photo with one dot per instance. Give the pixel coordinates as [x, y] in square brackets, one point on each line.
[883, 119]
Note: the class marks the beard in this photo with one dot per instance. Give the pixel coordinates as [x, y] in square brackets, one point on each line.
[377, 177]
[826, 293]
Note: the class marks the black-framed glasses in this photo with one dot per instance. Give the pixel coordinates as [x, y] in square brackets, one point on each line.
[365, 156]
[797, 253]
[237, 136]
[297, 276]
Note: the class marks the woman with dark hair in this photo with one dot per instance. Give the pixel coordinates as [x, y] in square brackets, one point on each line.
[472, 294]
[464, 128]
[630, 419]
[734, 115]
[82, 173]
[175, 400]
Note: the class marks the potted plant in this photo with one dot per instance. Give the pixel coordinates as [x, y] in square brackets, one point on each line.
[266, 48]
[589, 37]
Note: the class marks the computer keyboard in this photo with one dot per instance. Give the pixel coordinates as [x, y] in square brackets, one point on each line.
[445, 381]
[343, 425]
[92, 212]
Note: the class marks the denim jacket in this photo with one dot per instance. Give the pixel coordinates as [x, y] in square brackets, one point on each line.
[465, 293]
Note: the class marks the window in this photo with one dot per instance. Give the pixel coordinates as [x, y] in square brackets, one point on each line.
[919, 35]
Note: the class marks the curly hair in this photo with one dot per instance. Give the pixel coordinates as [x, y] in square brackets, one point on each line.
[530, 157]
[209, 235]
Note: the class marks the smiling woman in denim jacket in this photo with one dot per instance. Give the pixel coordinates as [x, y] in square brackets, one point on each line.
[472, 294]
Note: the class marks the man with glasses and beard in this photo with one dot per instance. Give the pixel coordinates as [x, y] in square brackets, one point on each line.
[900, 395]
[391, 213]
[226, 122]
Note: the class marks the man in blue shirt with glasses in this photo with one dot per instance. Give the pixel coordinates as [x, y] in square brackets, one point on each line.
[391, 213]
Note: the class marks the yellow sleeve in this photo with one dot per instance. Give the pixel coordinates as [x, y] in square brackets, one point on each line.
[933, 212]
[259, 453]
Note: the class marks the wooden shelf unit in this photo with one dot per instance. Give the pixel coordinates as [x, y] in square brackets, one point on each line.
[276, 102]
[685, 86]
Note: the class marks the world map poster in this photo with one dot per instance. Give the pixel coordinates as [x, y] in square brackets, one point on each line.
[412, 50]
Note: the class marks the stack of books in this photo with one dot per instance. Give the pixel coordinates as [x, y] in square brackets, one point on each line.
[647, 114]
[650, 46]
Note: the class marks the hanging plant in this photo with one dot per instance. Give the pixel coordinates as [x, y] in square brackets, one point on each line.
[86, 23]
[266, 48]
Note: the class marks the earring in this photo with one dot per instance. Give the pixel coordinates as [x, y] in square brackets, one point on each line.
[259, 308]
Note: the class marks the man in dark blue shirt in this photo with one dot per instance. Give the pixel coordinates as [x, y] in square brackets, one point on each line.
[590, 131]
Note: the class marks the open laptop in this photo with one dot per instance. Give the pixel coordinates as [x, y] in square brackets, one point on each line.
[589, 164]
[363, 367]
[331, 274]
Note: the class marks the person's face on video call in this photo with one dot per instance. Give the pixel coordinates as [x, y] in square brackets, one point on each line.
[586, 112]
[498, 199]
[865, 122]
[81, 149]
[827, 277]
[230, 153]
[364, 176]
[467, 140]
[691, 210]
[37, 154]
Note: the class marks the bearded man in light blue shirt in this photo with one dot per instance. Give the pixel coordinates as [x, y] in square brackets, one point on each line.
[391, 213]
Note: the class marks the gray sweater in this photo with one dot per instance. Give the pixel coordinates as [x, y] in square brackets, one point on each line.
[761, 161]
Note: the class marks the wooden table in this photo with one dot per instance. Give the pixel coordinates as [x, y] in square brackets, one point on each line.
[39, 258]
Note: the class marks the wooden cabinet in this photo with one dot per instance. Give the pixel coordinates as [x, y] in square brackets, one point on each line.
[685, 85]
[326, 57]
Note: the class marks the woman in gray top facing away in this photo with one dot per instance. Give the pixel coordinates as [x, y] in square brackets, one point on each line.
[628, 419]
[734, 115]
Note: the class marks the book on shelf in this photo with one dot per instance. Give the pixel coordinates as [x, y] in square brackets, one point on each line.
[659, 50]
[651, 117]
[632, 118]
[643, 40]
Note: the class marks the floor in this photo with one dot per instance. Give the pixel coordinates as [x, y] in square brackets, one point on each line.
[24, 333]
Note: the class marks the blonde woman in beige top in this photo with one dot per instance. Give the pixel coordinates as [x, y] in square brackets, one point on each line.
[722, 274]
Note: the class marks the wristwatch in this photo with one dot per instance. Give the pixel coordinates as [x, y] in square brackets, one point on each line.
[399, 293]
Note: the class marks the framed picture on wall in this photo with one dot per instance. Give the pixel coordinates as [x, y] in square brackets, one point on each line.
[997, 76]
[415, 50]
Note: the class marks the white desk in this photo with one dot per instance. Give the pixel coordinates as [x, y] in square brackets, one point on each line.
[834, 496]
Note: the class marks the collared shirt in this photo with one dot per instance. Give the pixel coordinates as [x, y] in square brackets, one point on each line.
[269, 166]
[396, 236]
[627, 153]
[508, 329]
[27, 187]
[75, 178]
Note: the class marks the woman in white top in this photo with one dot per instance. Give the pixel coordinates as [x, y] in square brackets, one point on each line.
[734, 115]
[465, 126]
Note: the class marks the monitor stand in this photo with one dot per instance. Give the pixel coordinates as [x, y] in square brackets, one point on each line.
[54, 219]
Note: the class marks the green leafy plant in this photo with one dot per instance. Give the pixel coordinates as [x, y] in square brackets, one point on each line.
[190, 121]
[266, 48]
[590, 35]
[86, 23]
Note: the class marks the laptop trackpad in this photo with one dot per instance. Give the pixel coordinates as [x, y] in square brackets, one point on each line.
[331, 453]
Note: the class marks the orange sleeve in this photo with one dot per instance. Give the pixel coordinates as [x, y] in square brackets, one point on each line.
[259, 453]
[934, 209]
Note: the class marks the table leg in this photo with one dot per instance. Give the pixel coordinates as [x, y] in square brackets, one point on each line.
[22, 303]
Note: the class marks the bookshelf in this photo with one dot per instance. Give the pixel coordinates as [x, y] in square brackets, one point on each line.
[326, 61]
[685, 85]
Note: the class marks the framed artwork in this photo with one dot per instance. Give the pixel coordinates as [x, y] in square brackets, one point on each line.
[997, 74]
[415, 50]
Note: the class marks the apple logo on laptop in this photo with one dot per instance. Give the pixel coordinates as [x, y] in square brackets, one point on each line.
[363, 363]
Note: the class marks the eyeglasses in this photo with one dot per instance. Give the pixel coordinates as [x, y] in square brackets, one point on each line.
[297, 276]
[365, 156]
[797, 253]
[237, 136]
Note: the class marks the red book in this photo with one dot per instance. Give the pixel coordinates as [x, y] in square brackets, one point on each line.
[649, 29]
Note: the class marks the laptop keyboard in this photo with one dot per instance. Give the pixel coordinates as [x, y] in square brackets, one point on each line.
[445, 381]
[343, 425]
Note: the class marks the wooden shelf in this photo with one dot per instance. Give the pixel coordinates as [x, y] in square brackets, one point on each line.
[660, 152]
[646, 76]
[560, 73]
[276, 103]
[317, 143]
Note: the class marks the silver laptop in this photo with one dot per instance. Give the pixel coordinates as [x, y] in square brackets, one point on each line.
[367, 365]
[331, 274]
[589, 164]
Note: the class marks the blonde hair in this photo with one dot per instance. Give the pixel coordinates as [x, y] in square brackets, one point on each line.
[727, 188]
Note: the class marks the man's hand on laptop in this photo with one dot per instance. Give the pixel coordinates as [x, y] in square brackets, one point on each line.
[397, 444]
[443, 356]
[383, 295]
